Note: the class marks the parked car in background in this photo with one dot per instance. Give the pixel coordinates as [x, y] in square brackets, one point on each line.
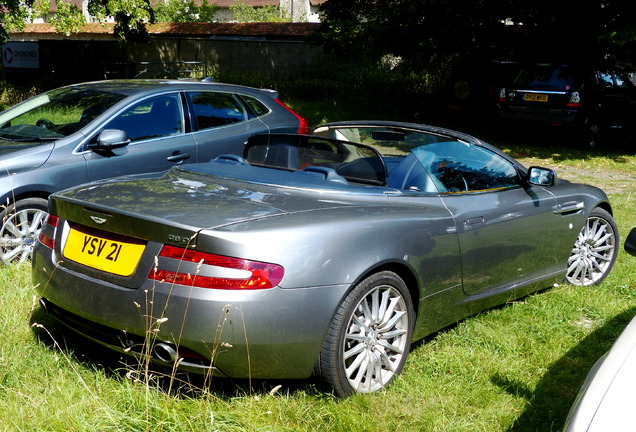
[90, 131]
[607, 396]
[314, 253]
[594, 102]
[474, 86]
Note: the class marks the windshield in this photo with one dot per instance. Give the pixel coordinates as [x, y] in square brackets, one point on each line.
[427, 161]
[56, 114]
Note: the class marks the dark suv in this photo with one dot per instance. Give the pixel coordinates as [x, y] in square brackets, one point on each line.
[595, 102]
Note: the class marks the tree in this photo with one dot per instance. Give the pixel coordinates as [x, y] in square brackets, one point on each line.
[131, 16]
[426, 32]
[242, 12]
[13, 17]
[185, 11]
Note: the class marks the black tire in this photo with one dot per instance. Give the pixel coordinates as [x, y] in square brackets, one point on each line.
[595, 250]
[592, 134]
[364, 350]
[20, 225]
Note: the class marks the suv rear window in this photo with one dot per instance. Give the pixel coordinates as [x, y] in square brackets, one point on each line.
[546, 77]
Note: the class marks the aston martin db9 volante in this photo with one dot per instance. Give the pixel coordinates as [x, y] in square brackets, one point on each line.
[92, 131]
[326, 253]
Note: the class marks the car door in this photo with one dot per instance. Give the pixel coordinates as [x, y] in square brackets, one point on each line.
[507, 230]
[158, 139]
[615, 99]
[222, 123]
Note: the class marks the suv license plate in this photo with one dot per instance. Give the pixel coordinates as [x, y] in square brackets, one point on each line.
[108, 252]
[535, 97]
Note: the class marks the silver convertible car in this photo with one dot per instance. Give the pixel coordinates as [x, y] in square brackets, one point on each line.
[91, 131]
[326, 254]
[606, 398]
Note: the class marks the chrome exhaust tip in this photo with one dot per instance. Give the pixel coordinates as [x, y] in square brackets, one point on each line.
[164, 352]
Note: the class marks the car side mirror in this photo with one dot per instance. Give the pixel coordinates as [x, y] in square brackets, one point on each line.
[110, 139]
[541, 176]
[630, 242]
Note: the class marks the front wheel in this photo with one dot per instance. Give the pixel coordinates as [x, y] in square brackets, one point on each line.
[369, 337]
[20, 226]
[594, 251]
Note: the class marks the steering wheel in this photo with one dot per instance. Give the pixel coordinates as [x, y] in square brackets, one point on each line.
[44, 123]
[454, 181]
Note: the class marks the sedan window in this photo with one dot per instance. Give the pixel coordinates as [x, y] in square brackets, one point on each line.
[213, 109]
[462, 167]
[151, 118]
[256, 106]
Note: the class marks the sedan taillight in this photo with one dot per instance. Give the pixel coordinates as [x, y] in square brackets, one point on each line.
[218, 272]
[50, 225]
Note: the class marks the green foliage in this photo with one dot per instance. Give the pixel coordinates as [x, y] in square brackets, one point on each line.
[14, 15]
[427, 34]
[131, 16]
[68, 19]
[10, 96]
[185, 11]
[243, 12]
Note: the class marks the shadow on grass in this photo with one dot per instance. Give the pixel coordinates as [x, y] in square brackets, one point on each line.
[549, 402]
[85, 353]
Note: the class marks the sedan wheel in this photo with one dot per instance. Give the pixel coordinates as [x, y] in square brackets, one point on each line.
[594, 251]
[370, 336]
[21, 225]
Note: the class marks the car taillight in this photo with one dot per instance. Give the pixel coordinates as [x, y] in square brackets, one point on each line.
[502, 95]
[232, 273]
[49, 241]
[303, 127]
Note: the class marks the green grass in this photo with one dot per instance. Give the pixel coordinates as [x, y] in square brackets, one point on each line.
[513, 368]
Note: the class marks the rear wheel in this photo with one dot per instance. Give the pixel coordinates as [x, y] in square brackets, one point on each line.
[370, 336]
[592, 134]
[594, 251]
[20, 226]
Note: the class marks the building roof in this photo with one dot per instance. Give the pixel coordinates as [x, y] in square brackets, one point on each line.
[280, 31]
[220, 3]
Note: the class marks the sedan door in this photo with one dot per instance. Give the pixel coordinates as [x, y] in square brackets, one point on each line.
[156, 129]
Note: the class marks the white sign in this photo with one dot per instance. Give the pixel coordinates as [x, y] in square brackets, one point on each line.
[25, 55]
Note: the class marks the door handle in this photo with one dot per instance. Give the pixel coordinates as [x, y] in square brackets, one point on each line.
[178, 157]
[474, 221]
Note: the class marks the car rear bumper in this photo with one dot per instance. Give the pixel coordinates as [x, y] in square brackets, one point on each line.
[554, 116]
[272, 333]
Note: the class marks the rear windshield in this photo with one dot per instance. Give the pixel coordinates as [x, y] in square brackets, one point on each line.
[546, 77]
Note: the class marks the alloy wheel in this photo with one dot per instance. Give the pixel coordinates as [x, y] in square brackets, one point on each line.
[19, 234]
[376, 339]
[594, 252]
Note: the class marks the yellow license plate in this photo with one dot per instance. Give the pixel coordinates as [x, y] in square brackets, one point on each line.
[535, 97]
[108, 252]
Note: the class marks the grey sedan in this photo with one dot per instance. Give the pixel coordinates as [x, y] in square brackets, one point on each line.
[325, 254]
[92, 131]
